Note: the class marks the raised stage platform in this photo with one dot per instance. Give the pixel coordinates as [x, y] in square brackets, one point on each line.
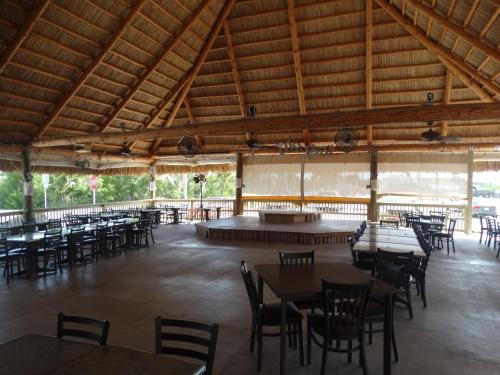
[251, 229]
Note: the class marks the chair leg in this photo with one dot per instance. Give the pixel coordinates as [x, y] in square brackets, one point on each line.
[324, 356]
[295, 333]
[394, 346]
[362, 354]
[424, 295]
[308, 328]
[370, 333]
[349, 353]
[301, 343]
[408, 302]
[259, 348]
[252, 337]
[453, 244]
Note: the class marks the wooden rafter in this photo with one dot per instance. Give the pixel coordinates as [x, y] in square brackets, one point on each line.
[189, 111]
[454, 112]
[22, 33]
[90, 69]
[369, 65]
[296, 56]
[457, 30]
[234, 68]
[447, 99]
[194, 72]
[456, 66]
[155, 63]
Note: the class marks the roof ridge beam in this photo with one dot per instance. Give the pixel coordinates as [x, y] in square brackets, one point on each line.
[296, 56]
[90, 69]
[196, 69]
[154, 65]
[457, 30]
[456, 66]
[402, 114]
[369, 65]
[23, 33]
[234, 68]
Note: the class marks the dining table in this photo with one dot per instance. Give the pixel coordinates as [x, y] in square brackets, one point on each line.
[372, 247]
[304, 282]
[35, 354]
[388, 238]
[401, 232]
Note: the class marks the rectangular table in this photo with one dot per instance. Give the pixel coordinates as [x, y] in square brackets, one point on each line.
[382, 237]
[304, 282]
[39, 355]
[391, 231]
[371, 247]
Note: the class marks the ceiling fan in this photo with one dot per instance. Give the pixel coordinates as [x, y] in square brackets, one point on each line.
[126, 151]
[252, 143]
[434, 136]
[188, 147]
[346, 139]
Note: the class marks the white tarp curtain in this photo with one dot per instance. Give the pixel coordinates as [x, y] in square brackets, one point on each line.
[338, 175]
[332, 175]
[423, 174]
[271, 175]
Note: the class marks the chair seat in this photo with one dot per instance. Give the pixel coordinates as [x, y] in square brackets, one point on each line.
[271, 313]
[317, 323]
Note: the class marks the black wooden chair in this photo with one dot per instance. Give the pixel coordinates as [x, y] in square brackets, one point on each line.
[140, 233]
[269, 315]
[52, 239]
[418, 271]
[395, 269]
[54, 224]
[343, 319]
[172, 336]
[447, 236]
[9, 256]
[493, 232]
[98, 335]
[29, 228]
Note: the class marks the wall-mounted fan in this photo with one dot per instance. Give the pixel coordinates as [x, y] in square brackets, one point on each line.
[346, 139]
[434, 136]
[252, 143]
[82, 163]
[188, 147]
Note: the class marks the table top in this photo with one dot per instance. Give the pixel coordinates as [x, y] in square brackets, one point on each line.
[50, 355]
[391, 232]
[303, 281]
[371, 247]
[383, 237]
[27, 237]
[431, 222]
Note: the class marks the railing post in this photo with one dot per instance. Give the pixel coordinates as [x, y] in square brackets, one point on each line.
[27, 185]
[373, 212]
[238, 205]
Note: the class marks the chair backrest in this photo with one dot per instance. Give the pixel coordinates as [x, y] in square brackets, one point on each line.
[345, 306]
[101, 328]
[75, 239]
[253, 295]
[52, 238]
[72, 221]
[54, 223]
[172, 337]
[29, 221]
[393, 267]
[305, 257]
[451, 226]
[77, 229]
[3, 245]
[94, 218]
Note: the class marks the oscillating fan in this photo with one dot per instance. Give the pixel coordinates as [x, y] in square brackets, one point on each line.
[188, 147]
[346, 139]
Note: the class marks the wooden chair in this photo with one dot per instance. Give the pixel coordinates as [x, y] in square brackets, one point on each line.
[54, 224]
[206, 337]
[394, 268]
[102, 326]
[8, 256]
[269, 315]
[447, 236]
[343, 319]
[296, 257]
[52, 239]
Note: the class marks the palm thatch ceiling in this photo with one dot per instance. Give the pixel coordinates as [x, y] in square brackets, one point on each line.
[78, 67]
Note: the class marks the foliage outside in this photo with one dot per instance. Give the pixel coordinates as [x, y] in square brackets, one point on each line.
[68, 190]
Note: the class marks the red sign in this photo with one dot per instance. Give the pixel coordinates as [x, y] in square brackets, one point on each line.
[93, 183]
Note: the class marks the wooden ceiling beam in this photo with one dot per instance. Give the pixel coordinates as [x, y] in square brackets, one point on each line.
[196, 69]
[89, 69]
[189, 111]
[22, 33]
[457, 30]
[402, 114]
[296, 56]
[369, 65]
[447, 99]
[154, 64]
[234, 68]
[456, 66]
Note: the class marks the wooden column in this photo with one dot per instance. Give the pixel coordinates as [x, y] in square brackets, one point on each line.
[470, 176]
[373, 214]
[152, 182]
[302, 170]
[27, 186]
[238, 204]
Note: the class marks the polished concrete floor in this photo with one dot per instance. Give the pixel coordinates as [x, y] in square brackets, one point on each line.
[184, 276]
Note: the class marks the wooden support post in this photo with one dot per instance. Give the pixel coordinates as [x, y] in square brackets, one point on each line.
[470, 176]
[238, 204]
[302, 170]
[373, 214]
[27, 185]
[152, 182]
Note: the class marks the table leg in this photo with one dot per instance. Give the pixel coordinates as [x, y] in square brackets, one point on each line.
[283, 336]
[261, 290]
[387, 333]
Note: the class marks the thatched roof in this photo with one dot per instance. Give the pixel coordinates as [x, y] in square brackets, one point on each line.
[76, 67]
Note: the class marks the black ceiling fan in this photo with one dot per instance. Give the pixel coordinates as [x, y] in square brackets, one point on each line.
[126, 150]
[188, 147]
[433, 136]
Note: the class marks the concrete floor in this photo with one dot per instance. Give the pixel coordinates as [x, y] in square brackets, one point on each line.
[184, 276]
